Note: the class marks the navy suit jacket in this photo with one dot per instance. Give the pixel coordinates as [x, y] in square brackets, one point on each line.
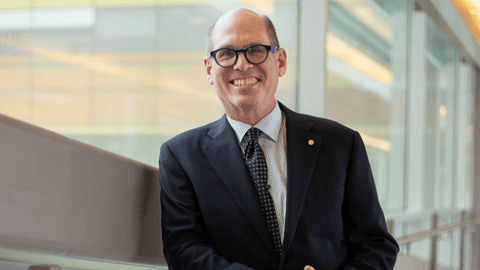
[211, 215]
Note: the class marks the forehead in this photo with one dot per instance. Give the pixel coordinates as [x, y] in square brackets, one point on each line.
[239, 31]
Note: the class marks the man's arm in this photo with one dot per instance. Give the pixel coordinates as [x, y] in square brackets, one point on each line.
[186, 242]
[370, 246]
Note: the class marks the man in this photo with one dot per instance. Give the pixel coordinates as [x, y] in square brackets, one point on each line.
[265, 187]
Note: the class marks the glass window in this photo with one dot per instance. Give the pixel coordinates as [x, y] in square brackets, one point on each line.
[366, 84]
[121, 75]
[442, 66]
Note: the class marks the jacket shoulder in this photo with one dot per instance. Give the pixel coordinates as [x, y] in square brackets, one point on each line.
[329, 124]
[190, 137]
[324, 126]
[319, 125]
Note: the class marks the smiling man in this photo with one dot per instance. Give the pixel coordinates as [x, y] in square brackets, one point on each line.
[246, 88]
[265, 187]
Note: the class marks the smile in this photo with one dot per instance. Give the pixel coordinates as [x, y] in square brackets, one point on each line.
[244, 82]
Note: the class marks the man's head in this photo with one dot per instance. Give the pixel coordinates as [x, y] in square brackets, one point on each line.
[246, 90]
[271, 32]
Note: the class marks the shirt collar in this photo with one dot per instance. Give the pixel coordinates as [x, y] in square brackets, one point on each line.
[270, 124]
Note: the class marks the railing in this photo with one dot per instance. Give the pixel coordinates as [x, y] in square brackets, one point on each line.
[406, 240]
[67, 203]
[434, 232]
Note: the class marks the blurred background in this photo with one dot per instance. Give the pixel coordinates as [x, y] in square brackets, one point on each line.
[126, 75]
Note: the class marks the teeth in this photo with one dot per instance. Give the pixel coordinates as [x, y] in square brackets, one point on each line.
[244, 82]
[239, 82]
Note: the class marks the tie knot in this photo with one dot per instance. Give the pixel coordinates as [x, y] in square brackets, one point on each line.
[253, 133]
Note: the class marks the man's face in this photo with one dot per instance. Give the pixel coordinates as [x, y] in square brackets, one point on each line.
[244, 86]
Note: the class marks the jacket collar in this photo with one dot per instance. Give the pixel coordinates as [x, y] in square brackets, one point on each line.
[303, 148]
[224, 154]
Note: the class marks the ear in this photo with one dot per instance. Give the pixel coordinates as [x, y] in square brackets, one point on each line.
[282, 62]
[208, 68]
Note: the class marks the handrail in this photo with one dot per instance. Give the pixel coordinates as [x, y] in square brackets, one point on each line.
[424, 234]
[433, 234]
[421, 215]
[48, 134]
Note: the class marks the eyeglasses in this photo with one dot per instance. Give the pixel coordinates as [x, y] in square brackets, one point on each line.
[255, 54]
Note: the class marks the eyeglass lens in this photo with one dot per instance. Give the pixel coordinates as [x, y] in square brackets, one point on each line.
[255, 54]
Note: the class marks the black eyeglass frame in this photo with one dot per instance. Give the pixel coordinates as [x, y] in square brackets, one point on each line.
[244, 50]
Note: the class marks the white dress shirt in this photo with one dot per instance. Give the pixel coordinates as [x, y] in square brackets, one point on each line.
[274, 145]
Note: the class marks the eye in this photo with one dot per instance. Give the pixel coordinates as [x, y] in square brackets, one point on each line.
[224, 53]
[257, 51]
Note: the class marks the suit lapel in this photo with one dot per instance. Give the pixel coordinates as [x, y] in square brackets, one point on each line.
[302, 153]
[224, 154]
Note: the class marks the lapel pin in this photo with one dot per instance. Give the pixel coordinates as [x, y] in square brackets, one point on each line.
[311, 142]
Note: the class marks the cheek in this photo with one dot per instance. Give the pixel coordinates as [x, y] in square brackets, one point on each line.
[271, 79]
[219, 77]
[270, 73]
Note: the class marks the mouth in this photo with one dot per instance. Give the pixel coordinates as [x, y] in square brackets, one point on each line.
[244, 82]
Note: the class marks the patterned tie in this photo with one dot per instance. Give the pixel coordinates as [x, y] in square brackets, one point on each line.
[257, 166]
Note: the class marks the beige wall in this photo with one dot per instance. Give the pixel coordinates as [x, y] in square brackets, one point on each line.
[62, 196]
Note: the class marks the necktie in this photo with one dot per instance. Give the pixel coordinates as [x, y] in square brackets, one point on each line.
[257, 166]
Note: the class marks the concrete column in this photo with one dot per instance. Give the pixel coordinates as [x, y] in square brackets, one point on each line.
[416, 113]
[311, 76]
[464, 86]
[476, 175]
[415, 124]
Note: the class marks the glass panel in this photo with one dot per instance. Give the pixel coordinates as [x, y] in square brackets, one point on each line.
[442, 65]
[419, 249]
[15, 105]
[448, 243]
[121, 75]
[366, 84]
[468, 249]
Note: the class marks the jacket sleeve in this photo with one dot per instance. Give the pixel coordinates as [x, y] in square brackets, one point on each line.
[369, 245]
[186, 241]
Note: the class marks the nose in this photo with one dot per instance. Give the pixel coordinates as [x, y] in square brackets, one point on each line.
[242, 63]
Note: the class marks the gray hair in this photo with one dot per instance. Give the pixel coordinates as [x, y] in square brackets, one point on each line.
[271, 32]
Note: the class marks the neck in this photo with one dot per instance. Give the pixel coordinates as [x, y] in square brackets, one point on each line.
[249, 115]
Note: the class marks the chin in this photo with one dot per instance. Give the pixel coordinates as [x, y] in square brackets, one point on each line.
[244, 104]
